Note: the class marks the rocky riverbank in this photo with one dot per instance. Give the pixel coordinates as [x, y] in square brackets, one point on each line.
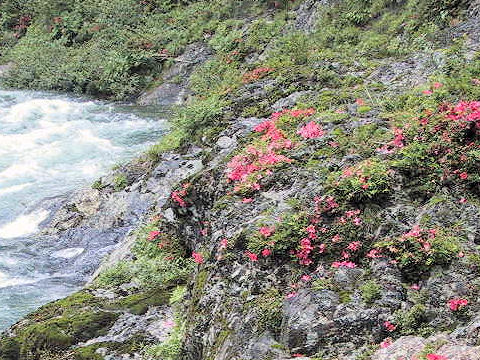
[329, 210]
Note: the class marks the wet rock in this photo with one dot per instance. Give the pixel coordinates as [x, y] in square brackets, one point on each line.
[410, 346]
[408, 73]
[291, 100]
[164, 95]
[157, 322]
[174, 91]
[5, 68]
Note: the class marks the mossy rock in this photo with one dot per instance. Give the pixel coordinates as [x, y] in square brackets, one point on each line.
[89, 352]
[70, 304]
[9, 349]
[138, 304]
[56, 334]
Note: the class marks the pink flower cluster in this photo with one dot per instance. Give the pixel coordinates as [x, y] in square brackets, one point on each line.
[256, 74]
[322, 234]
[259, 159]
[398, 141]
[435, 357]
[197, 257]
[311, 131]
[344, 264]
[389, 326]
[457, 304]
[177, 196]
[466, 112]
[152, 235]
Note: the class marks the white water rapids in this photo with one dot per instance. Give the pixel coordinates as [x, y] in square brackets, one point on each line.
[49, 145]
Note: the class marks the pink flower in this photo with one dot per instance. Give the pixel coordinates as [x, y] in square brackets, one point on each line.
[357, 221]
[415, 287]
[360, 102]
[436, 357]
[197, 257]
[223, 243]
[247, 200]
[463, 200]
[345, 264]
[427, 92]
[389, 326]
[266, 252]
[457, 304]
[373, 254]
[306, 278]
[152, 235]
[204, 232]
[291, 295]
[251, 256]
[354, 245]
[267, 231]
[437, 85]
[168, 324]
[336, 238]
[386, 343]
[311, 131]
[178, 199]
[463, 176]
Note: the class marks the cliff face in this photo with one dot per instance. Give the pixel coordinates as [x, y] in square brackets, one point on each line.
[329, 208]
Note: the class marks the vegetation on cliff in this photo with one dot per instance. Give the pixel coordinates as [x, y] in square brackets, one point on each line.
[342, 218]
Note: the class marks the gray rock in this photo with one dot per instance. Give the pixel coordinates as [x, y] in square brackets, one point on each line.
[410, 346]
[175, 88]
[5, 68]
[291, 100]
[225, 142]
[164, 95]
[156, 322]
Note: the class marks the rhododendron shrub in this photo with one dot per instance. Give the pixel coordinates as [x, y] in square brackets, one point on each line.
[435, 357]
[367, 180]
[457, 304]
[256, 74]
[178, 196]
[420, 248]
[326, 233]
[260, 158]
[442, 146]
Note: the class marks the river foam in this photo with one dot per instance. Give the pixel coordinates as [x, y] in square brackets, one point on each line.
[51, 145]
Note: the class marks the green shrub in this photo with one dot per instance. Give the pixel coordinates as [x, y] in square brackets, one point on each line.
[215, 77]
[171, 348]
[200, 115]
[420, 249]
[371, 291]
[118, 274]
[369, 180]
[412, 321]
[120, 182]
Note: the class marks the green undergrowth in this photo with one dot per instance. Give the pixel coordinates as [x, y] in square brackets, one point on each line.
[170, 349]
[159, 261]
[107, 48]
[55, 328]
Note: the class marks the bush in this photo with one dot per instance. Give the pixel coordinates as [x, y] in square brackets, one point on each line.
[199, 116]
[370, 291]
[418, 250]
[367, 181]
[118, 274]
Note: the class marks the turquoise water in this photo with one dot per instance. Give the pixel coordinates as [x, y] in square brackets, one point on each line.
[49, 145]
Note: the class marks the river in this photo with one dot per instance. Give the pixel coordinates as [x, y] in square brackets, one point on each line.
[51, 144]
